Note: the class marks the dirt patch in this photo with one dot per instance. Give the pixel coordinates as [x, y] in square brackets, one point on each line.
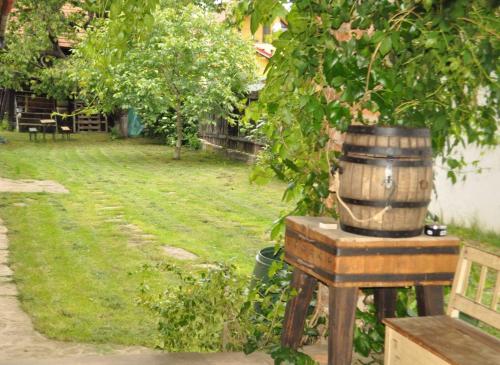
[178, 253]
[137, 237]
[31, 186]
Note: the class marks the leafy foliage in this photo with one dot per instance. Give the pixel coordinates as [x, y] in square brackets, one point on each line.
[177, 58]
[408, 63]
[164, 128]
[32, 42]
[285, 356]
[155, 56]
[217, 309]
[201, 313]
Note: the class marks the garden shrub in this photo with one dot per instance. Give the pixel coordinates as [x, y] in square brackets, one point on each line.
[202, 312]
[218, 309]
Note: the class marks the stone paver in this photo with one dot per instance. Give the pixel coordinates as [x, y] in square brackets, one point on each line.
[4, 256]
[179, 253]
[31, 186]
[318, 352]
[7, 287]
[5, 270]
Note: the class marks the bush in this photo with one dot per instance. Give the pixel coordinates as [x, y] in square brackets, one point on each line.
[201, 313]
[213, 309]
[4, 124]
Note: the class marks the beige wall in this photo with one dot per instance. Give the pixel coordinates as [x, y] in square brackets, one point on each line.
[477, 199]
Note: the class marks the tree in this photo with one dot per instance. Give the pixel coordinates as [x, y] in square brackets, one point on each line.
[415, 63]
[178, 58]
[34, 30]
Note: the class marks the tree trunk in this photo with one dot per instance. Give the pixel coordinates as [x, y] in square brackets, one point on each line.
[121, 123]
[179, 124]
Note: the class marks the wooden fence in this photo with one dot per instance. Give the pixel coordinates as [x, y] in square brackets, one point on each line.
[229, 137]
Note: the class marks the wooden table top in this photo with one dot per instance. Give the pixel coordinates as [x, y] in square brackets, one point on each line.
[47, 121]
[309, 227]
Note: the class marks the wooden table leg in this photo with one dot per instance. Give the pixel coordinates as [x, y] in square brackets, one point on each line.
[430, 300]
[296, 309]
[342, 310]
[385, 302]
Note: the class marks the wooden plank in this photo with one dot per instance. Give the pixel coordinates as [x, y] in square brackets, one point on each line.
[400, 350]
[482, 257]
[385, 302]
[371, 260]
[478, 311]
[480, 285]
[496, 293]
[396, 281]
[450, 339]
[459, 283]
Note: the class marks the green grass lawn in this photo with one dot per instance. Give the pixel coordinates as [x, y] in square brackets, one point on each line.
[73, 254]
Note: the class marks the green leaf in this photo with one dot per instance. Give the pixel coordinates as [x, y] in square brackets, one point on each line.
[427, 4]
[385, 46]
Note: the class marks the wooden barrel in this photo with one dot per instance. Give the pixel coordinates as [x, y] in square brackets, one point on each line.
[385, 181]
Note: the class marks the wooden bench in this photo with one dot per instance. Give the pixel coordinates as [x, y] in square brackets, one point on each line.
[448, 340]
[65, 131]
[33, 132]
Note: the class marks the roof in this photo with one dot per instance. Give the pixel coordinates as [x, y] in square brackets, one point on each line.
[67, 9]
[265, 49]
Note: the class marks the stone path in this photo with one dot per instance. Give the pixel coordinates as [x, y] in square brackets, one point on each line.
[18, 339]
[136, 236]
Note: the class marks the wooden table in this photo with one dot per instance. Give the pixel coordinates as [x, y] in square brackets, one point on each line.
[47, 123]
[346, 262]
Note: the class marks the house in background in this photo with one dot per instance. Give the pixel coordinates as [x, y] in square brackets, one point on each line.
[263, 38]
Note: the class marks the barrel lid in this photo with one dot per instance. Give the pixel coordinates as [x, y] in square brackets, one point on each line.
[389, 131]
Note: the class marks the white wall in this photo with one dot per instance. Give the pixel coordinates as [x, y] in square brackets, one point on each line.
[475, 200]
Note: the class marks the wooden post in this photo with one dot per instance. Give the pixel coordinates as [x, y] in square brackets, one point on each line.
[430, 300]
[16, 116]
[342, 310]
[11, 108]
[296, 309]
[385, 302]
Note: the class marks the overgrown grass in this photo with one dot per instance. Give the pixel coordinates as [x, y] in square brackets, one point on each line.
[73, 254]
[477, 236]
